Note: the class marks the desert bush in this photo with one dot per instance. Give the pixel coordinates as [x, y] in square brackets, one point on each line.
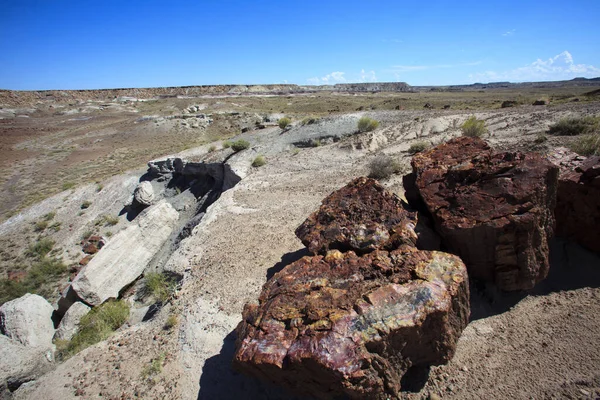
[41, 225]
[55, 226]
[587, 145]
[366, 124]
[50, 216]
[574, 126]
[309, 120]
[43, 272]
[40, 248]
[284, 122]
[96, 326]
[68, 185]
[85, 204]
[155, 367]
[418, 147]
[106, 220]
[240, 145]
[159, 286]
[212, 148]
[540, 139]
[473, 127]
[226, 144]
[382, 167]
[259, 161]
[171, 322]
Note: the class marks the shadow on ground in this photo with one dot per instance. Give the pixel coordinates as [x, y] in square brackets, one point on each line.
[571, 267]
[286, 260]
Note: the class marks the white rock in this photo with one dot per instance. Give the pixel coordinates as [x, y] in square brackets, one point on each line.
[126, 256]
[144, 193]
[28, 320]
[69, 325]
[21, 363]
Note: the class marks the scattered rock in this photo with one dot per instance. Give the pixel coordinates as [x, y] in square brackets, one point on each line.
[69, 324]
[362, 216]
[352, 325]
[123, 259]
[144, 193]
[28, 320]
[85, 260]
[494, 210]
[92, 244]
[578, 204]
[428, 105]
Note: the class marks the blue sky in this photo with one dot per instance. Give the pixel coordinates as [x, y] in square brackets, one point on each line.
[87, 44]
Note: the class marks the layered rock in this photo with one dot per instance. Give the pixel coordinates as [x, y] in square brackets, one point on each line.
[69, 324]
[28, 320]
[494, 210]
[351, 325]
[126, 256]
[362, 216]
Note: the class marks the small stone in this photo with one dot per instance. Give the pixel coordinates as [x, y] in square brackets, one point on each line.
[584, 392]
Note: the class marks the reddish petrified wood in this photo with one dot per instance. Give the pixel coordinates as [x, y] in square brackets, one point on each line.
[362, 216]
[351, 325]
[494, 210]
[92, 244]
[578, 204]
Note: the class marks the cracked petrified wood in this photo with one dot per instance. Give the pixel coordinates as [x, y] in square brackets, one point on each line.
[362, 216]
[578, 204]
[345, 324]
[494, 210]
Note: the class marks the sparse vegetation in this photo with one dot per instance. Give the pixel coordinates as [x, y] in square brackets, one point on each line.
[473, 127]
[106, 220]
[155, 367]
[315, 142]
[99, 187]
[159, 286]
[240, 145]
[96, 326]
[295, 151]
[40, 248]
[309, 120]
[284, 122]
[366, 124]
[587, 145]
[418, 147]
[540, 139]
[40, 226]
[382, 167]
[574, 126]
[212, 148]
[85, 204]
[226, 144]
[55, 226]
[259, 161]
[171, 322]
[50, 216]
[68, 185]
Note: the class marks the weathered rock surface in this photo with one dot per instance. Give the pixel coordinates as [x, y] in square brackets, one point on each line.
[362, 216]
[144, 193]
[28, 320]
[352, 325]
[69, 324]
[124, 258]
[20, 364]
[494, 210]
[578, 204]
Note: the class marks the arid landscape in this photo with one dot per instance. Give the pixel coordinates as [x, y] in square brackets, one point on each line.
[191, 196]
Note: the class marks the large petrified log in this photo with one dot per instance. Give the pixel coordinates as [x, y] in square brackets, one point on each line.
[494, 210]
[362, 216]
[344, 324]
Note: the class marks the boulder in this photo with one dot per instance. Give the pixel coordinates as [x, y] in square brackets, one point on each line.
[578, 204]
[351, 325]
[362, 216]
[92, 244]
[144, 193]
[494, 210]
[21, 364]
[126, 256]
[28, 320]
[69, 324]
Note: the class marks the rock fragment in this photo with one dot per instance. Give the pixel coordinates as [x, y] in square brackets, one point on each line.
[69, 324]
[28, 320]
[144, 193]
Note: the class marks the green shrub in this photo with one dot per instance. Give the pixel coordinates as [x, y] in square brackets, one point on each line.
[171, 322]
[96, 326]
[106, 220]
[540, 139]
[68, 185]
[587, 145]
[55, 226]
[85, 204]
[50, 216]
[473, 127]
[309, 121]
[284, 122]
[40, 248]
[575, 126]
[382, 167]
[240, 145]
[418, 147]
[212, 148]
[39, 226]
[43, 273]
[159, 286]
[366, 124]
[155, 366]
[226, 144]
[259, 161]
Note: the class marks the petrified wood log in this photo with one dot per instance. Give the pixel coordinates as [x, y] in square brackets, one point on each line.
[351, 325]
[362, 216]
[494, 210]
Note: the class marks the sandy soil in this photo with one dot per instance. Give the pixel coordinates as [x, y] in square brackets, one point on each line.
[537, 345]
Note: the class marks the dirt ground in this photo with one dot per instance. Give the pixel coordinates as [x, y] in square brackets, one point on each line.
[544, 344]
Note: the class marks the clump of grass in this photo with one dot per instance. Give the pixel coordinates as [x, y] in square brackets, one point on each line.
[540, 139]
[99, 187]
[85, 204]
[295, 151]
[68, 185]
[574, 126]
[212, 148]
[159, 286]
[40, 248]
[240, 145]
[171, 322]
[366, 124]
[315, 143]
[55, 226]
[418, 147]
[40, 226]
[309, 120]
[382, 167]
[155, 366]
[473, 127]
[96, 326]
[587, 145]
[284, 122]
[43, 272]
[50, 216]
[106, 220]
[226, 144]
[259, 161]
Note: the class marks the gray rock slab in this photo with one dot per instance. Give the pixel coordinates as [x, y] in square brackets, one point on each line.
[28, 320]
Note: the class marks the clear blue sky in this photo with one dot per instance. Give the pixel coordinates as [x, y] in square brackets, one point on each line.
[87, 44]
